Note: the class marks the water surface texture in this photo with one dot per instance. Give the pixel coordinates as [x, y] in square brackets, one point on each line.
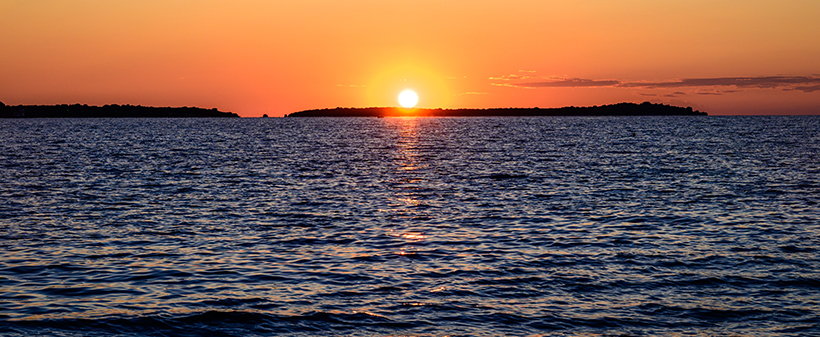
[410, 227]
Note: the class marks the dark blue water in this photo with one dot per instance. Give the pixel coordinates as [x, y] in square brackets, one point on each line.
[412, 227]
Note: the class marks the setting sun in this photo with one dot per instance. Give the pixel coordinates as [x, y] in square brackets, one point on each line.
[408, 99]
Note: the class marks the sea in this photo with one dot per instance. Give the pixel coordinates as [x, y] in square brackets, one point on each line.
[513, 226]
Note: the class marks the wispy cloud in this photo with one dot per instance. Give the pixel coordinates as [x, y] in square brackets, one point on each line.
[520, 86]
[511, 77]
[802, 83]
[571, 82]
[790, 83]
[808, 88]
[551, 82]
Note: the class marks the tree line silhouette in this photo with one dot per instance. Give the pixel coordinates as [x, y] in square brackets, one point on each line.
[105, 111]
[619, 109]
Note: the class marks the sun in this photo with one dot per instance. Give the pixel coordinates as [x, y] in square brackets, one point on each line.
[408, 99]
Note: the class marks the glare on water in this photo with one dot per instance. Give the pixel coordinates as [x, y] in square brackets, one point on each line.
[456, 226]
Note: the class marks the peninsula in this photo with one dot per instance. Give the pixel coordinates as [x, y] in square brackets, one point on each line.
[620, 109]
[105, 111]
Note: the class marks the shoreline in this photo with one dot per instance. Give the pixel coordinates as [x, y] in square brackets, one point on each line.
[619, 109]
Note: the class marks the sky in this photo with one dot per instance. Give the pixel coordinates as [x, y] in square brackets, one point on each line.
[255, 57]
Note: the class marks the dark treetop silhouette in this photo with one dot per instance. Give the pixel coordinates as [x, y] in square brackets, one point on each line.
[620, 109]
[105, 111]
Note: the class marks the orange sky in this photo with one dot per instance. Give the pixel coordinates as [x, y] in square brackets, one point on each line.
[277, 57]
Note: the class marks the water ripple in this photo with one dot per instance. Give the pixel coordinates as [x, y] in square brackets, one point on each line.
[402, 226]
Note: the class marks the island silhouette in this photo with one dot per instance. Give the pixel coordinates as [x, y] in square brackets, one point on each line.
[619, 109]
[138, 111]
[105, 111]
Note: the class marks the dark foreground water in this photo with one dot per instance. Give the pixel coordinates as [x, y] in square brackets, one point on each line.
[411, 227]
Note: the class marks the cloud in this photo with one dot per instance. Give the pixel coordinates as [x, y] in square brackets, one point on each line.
[810, 88]
[520, 86]
[803, 83]
[790, 83]
[569, 83]
[510, 77]
[473, 93]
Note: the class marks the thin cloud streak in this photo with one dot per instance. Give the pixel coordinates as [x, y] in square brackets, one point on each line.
[810, 83]
[572, 82]
[510, 77]
[789, 83]
[808, 88]
[519, 86]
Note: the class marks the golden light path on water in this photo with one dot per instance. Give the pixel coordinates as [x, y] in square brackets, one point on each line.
[410, 225]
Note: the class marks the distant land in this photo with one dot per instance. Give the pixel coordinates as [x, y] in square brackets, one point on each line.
[105, 111]
[620, 109]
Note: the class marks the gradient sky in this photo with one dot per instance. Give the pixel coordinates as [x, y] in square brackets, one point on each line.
[254, 57]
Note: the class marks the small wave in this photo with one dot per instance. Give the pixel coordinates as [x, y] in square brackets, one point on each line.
[505, 176]
[796, 249]
[217, 323]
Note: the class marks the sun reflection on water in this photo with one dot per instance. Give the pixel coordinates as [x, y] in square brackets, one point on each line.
[406, 161]
[424, 223]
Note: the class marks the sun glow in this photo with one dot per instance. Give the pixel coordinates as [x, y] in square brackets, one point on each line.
[408, 99]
